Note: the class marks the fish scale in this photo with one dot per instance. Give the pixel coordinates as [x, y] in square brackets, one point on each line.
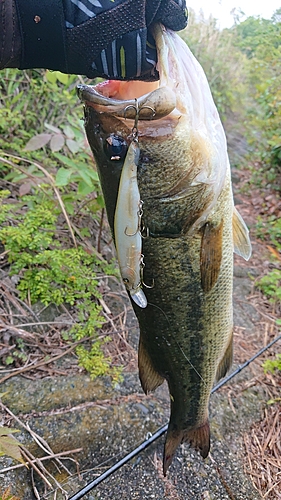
[191, 228]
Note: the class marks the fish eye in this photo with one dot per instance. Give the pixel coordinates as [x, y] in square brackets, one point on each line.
[115, 147]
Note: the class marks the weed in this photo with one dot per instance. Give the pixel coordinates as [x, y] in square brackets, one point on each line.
[54, 137]
[9, 445]
[270, 285]
[95, 363]
[7, 495]
[271, 230]
[270, 365]
[51, 274]
[56, 159]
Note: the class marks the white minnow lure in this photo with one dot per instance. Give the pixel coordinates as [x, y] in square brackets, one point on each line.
[128, 239]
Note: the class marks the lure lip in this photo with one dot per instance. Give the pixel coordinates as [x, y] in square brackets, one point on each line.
[139, 297]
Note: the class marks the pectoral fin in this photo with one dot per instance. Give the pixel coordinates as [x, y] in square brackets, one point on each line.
[241, 240]
[210, 255]
[149, 377]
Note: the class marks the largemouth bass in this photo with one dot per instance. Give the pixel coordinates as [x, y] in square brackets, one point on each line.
[169, 136]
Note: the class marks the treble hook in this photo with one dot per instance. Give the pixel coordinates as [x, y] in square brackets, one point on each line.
[138, 110]
[140, 214]
[151, 109]
[142, 266]
[144, 231]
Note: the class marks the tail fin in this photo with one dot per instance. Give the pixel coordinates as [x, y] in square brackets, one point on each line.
[198, 438]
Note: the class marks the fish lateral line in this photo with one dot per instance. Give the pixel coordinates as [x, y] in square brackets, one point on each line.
[149, 233]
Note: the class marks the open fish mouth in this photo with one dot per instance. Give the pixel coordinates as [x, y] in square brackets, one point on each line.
[112, 97]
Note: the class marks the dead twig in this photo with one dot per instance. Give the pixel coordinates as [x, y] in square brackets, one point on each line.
[47, 457]
[222, 479]
[264, 453]
[32, 462]
[41, 363]
[52, 182]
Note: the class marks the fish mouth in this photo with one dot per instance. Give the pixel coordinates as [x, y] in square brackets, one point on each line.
[154, 105]
[155, 100]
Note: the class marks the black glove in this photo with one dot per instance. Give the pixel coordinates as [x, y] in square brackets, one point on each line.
[95, 37]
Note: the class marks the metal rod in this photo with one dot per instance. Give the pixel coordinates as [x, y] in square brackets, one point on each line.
[119, 464]
[241, 367]
[163, 429]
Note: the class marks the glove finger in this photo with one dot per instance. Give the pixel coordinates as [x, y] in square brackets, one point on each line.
[172, 13]
[132, 56]
[79, 11]
[87, 40]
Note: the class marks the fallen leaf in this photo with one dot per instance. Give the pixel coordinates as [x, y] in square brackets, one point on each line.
[25, 188]
[274, 252]
[57, 142]
[37, 142]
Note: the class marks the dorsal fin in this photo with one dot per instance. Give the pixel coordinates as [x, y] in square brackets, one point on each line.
[241, 241]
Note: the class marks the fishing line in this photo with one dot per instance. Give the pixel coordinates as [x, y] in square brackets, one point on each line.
[163, 429]
[160, 309]
[173, 337]
[192, 366]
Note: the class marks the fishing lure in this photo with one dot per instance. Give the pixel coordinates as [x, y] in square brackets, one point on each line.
[127, 226]
[128, 214]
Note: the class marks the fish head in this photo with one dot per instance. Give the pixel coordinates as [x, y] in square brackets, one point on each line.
[182, 143]
[110, 125]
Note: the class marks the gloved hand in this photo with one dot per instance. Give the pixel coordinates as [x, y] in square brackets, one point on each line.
[111, 39]
[94, 37]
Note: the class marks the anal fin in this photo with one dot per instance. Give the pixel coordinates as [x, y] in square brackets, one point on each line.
[210, 255]
[241, 241]
[149, 377]
[198, 438]
[226, 360]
